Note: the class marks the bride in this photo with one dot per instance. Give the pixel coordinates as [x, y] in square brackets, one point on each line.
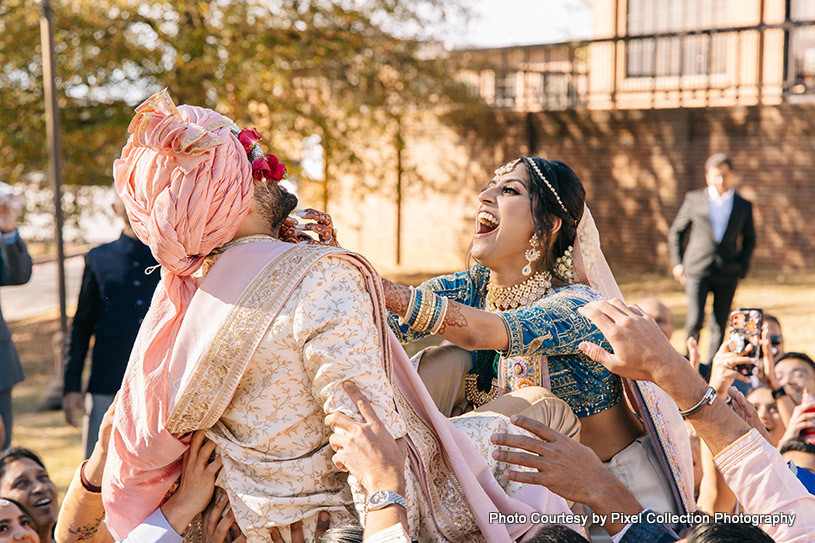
[536, 250]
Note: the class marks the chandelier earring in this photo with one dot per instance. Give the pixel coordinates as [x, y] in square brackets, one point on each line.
[531, 255]
[564, 265]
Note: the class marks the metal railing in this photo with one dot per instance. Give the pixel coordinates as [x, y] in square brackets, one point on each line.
[766, 63]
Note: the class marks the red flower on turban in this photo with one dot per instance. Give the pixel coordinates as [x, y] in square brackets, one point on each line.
[248, 138]
[268, 167]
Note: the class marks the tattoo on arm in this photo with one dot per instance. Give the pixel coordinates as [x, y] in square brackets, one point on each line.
[454, 318]
[397, 297]
[86, 531]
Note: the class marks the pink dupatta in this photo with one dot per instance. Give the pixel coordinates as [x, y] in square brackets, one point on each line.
[138, 488]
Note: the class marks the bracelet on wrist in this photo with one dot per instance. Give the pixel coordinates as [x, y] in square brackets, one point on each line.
[779, 393]
[426, 311]
[707, 399]
[84, 480]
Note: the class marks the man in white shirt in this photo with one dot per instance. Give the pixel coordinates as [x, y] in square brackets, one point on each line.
[717, 224]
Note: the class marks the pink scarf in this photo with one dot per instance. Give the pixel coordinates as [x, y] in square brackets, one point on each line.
[218, 293]
[187, 185]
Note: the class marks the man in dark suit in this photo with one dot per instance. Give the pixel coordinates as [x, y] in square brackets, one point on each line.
[113, 301]
[717, 224]
[15, 269]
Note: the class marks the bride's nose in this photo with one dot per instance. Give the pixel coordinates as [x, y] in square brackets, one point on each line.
[487, 196]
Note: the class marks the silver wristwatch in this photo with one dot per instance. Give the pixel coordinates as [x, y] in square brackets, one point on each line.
[383, 498]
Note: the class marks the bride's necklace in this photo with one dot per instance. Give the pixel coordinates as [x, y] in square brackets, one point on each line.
[520, 295]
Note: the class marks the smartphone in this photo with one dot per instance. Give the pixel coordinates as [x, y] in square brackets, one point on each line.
[745, 330]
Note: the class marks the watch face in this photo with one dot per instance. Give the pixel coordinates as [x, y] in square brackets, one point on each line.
[378, 497]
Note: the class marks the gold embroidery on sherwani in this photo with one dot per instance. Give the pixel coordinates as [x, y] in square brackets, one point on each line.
[448, 504]
[438, 509]
[217, 374]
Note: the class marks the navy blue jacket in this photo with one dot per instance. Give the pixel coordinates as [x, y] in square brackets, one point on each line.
[15, 269]
[113, 300]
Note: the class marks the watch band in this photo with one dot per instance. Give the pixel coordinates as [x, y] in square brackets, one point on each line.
[383, 498]
[780, 392]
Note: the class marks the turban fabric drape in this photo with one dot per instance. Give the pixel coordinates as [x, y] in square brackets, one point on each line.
[187, 185]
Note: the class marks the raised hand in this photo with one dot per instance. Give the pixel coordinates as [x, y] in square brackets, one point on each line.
[641, 350]
[747, 412]
[723, 372]
[296, 530]
[799, 421]
[367, 449]
[323, 226]
[219, 527]
[198, 476]
[287, 232]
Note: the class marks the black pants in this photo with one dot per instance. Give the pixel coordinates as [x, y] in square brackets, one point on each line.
[697, 289]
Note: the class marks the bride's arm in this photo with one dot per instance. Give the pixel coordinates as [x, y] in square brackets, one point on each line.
[465, 326]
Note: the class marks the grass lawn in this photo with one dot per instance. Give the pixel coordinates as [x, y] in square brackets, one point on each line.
[790, 297]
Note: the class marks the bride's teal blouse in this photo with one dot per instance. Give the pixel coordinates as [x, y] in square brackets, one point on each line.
[551, 327]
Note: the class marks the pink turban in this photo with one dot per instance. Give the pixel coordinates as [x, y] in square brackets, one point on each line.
[187, 184]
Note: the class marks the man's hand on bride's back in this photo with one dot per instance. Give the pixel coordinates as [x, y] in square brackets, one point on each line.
[366, 449]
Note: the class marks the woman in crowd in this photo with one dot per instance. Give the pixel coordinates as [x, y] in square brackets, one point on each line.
[23, 478]
[16, 523]
[518, 308]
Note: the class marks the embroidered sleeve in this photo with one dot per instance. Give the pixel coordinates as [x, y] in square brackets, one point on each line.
[552, 326]
[334, 322]
[466, 287]
[761, 481]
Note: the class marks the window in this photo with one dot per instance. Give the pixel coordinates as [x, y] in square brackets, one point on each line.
[697, 54]
[505, 90]
[802, 10]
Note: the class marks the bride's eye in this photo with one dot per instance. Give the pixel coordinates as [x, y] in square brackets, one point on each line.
[509, 190]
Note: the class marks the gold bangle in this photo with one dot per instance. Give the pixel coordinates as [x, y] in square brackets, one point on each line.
[442, 314]
[425, 311]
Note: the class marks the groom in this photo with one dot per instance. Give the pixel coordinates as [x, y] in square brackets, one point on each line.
[252, 338]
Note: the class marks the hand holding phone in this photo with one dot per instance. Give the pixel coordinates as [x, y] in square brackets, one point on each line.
[744, 337]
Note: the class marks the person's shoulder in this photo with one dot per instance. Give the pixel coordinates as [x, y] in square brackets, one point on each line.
[336, 264]
[700, 193]
[739, 198]
[103, 251]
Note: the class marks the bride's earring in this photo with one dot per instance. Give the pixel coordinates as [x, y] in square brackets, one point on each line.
[531, 255]
[564, 265]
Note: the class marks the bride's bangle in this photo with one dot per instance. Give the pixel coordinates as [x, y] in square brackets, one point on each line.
[426, 311]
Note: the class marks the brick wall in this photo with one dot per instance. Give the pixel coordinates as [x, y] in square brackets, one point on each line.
[636, 165]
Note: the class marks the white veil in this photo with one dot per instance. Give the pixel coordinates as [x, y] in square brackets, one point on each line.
[663, 422]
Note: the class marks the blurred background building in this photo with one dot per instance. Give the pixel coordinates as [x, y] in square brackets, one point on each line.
[662, 54]
[635, 111]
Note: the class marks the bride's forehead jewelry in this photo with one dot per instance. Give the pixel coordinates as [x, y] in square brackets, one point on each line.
[506, 168]
[543, 177]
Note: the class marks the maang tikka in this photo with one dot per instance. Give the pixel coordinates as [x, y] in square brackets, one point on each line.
[531, 255]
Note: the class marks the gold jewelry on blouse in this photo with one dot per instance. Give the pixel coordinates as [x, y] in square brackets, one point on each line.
[520, 295]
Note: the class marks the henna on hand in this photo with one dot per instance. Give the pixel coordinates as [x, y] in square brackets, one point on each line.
[454, 318]
[287, 230]
[397, 297]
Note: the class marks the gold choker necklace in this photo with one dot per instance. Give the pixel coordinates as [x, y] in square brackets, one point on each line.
[520, 295]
